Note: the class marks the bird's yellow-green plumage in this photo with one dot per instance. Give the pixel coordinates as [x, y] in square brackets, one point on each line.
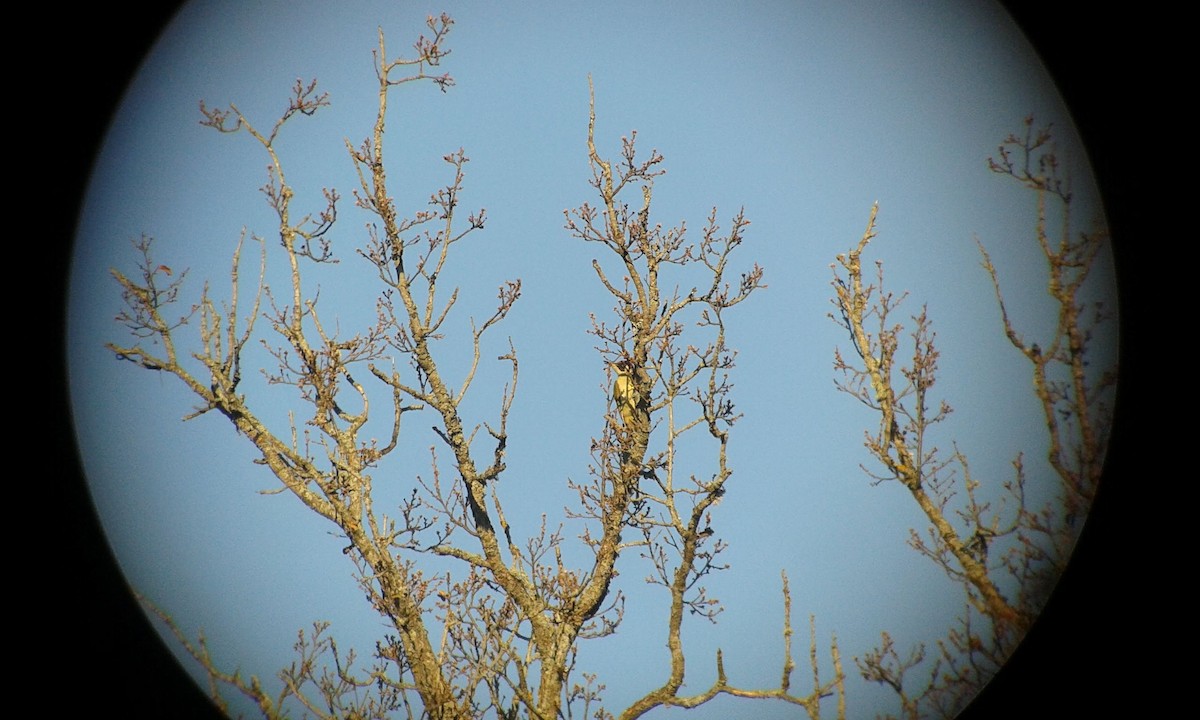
[624, 394]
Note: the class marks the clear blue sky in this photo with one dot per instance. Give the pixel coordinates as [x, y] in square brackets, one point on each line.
[803, 113]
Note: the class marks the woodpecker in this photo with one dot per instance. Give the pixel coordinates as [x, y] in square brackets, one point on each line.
[624, 393]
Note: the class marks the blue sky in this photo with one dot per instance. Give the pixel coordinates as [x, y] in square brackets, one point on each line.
[802, 113]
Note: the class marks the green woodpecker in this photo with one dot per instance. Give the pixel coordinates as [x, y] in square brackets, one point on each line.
[623, 392]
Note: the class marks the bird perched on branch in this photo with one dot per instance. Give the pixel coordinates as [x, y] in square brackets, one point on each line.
[624, 391]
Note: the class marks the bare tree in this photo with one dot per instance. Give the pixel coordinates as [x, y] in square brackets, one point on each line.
[498, 633]
[985, 535]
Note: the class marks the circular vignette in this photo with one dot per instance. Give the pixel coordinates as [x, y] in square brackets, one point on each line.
[144, 678]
